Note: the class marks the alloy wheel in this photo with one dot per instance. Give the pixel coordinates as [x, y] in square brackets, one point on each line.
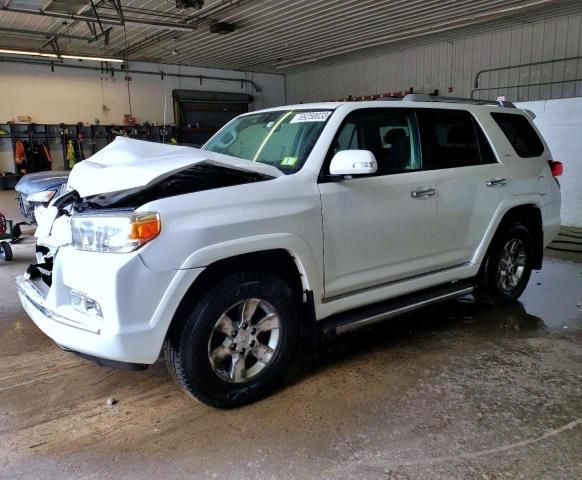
[244, 340]
[511, 265]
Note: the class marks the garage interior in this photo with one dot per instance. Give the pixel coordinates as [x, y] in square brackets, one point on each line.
[456, 390]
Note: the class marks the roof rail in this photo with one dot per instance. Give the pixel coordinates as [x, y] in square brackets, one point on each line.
[391, 98]
[422, 97]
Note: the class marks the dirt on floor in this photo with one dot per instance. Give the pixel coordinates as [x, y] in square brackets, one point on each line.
[456, 390]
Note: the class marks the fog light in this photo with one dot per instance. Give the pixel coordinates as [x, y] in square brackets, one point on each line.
[84, 304]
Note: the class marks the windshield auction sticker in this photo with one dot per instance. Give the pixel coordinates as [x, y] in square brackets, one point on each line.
[310, 117]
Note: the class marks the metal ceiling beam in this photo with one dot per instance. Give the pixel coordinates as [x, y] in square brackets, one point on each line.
[361, 30]
[103, 32]
[104, 19]
[118, 9]
[320, 25]
[54, 43]
[47, 35]
[339, 26]
[160, 73]
[196, 19]
[456, 23]
[46, 5]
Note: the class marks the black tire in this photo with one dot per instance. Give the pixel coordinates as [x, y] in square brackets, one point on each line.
[493, 286]
[5, 251]
[16, 232]
[188, 346]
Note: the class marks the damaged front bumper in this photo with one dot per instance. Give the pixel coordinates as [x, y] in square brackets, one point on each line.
[136, 304]
[33, 298]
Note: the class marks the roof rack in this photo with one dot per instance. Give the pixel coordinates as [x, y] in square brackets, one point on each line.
[422, 97]
[390, 98]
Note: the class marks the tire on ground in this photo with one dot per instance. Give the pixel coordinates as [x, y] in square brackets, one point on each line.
[188, 346]
[5, 251]
[495, 287]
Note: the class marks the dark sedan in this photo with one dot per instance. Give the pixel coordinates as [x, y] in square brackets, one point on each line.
[37, 189]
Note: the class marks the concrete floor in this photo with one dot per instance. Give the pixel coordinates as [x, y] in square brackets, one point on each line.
[454, 391]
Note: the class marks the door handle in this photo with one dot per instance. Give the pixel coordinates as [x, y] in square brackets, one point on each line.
[423, 192]
[497, 182]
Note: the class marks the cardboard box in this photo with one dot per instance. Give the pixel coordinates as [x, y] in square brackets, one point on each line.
[128, 120]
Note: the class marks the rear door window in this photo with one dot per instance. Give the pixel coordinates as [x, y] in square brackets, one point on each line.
[449, 139]
[520, 133]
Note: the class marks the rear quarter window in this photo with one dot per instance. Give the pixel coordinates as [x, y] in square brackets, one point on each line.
[520, 133]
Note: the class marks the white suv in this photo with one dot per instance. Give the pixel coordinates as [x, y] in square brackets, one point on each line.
[290, 225]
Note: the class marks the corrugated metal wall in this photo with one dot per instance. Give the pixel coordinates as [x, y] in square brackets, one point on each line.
[455, 63]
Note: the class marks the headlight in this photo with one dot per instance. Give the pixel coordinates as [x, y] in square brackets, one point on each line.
[116, 233]
[41, 197]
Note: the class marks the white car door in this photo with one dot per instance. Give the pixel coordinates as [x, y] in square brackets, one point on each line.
[470, 182]
[380, 228]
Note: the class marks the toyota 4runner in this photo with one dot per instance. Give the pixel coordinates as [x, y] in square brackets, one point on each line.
[290, 225]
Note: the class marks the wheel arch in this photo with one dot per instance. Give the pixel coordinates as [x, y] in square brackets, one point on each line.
[530, 215]
[277, 261]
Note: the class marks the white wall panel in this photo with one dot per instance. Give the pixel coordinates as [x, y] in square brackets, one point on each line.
[71, 96]
[560, 122]
[455, 63]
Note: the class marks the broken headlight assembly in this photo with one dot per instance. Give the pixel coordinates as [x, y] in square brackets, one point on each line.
[114, 232]
[41, 197]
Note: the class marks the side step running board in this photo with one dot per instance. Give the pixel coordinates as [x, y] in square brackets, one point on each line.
[370, 315]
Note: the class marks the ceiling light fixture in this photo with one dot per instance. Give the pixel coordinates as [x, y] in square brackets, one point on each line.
[197, 4]
[96, 59]
[222, 27]
[54, 55]
[175, 50]
[29, 53]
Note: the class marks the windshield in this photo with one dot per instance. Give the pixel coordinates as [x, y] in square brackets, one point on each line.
[282, 138]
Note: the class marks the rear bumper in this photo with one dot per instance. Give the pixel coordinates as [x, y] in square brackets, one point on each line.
[551, 221]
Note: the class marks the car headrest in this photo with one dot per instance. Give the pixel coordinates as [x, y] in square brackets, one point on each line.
[459, 134]
[394, 135]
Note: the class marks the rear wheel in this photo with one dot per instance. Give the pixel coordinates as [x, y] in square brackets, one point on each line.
[507, 267]
[237, 342]
[5, 251]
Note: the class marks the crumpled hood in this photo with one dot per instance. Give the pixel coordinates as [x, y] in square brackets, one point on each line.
[127, 163]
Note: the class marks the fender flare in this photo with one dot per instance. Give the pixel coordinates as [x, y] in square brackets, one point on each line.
[502, 210]
[298, 249]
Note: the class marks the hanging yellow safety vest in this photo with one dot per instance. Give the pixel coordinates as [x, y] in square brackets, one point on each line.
[71, 155]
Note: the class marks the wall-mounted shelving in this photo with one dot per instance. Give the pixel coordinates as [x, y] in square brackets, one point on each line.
[86, 139]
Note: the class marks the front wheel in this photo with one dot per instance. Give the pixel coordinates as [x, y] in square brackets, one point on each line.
[507, 267]
[5, 251]
[237, 342]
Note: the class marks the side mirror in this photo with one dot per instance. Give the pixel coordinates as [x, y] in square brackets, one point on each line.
[353, 162]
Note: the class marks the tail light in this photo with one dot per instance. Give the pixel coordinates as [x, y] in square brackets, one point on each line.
[557, 168]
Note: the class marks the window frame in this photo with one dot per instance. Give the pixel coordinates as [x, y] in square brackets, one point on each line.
[527, 120]
[482, 136]
[478, 132]
[325, 176]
